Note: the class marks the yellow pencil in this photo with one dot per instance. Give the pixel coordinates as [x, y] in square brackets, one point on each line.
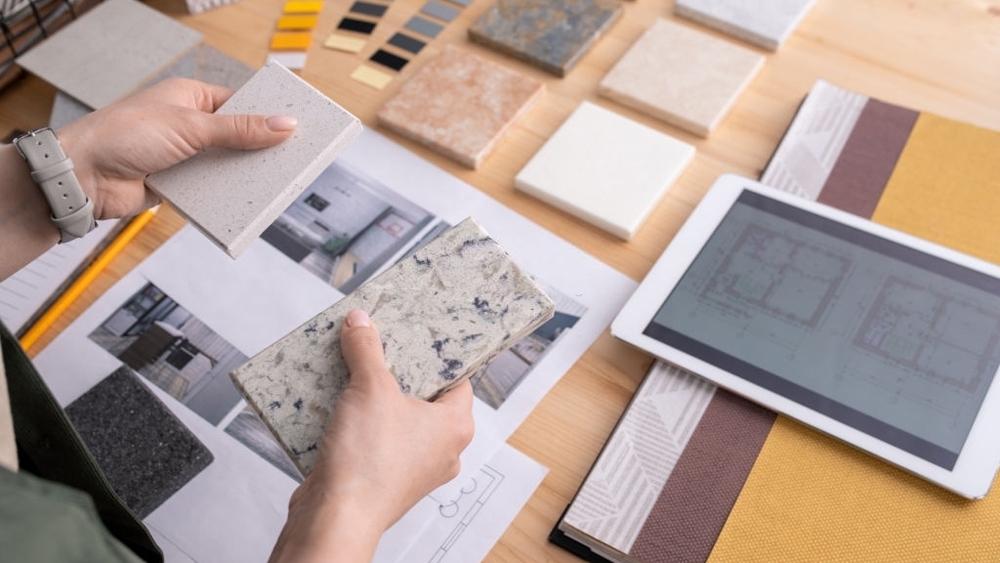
[86, 278]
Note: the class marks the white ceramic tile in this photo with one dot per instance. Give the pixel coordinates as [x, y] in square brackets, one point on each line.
[605, 169]
[295, 60]
[110, 51]
[232, 196]
[766, 23]
[682, 76]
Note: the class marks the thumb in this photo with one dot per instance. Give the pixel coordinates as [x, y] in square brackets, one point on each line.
[247, 132]
[361, 347]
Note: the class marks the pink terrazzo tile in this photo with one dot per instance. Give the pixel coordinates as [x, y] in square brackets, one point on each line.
[460, 105]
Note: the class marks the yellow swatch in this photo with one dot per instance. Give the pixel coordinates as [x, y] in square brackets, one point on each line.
[344, 43]
[946, 187]
[296, 40]
[303, 6]
[374, 78]
[297, 22]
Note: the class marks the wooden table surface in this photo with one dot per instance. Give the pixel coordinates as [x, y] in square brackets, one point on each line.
[941, 56]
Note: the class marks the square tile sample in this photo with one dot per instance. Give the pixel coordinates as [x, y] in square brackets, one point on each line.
[682, 76]
[550, 34]
[110, 51]
[766, 23]
[144, 450]
[443, 313]
[232, 196]
[605, 169]
[460, 105]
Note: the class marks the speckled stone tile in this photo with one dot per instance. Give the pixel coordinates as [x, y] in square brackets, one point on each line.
[144, 450]
[232, 196]
[66, 109]
[442, 313]
[460, 105]
[682, 76]
[606, 169]
[216, 67]
[550, 34]
[766, 23]
[110, 51]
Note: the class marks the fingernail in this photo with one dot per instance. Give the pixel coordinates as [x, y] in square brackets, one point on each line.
[281, 123]
[358, 318]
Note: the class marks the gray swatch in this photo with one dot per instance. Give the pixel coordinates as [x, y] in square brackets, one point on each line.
[440, 11]
[407, 43]
[424, 27]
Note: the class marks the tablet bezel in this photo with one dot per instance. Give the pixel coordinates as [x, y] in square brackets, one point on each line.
[979, 459]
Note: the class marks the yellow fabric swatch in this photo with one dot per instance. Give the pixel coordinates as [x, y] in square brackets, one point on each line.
[297, 22]
[374, 78]
[345, 43]
[812, 498]
[291, 40]
[303, 6]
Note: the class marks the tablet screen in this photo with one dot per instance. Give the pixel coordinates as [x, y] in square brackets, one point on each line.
[889, 340]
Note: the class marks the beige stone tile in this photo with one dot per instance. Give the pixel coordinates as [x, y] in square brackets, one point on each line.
[682, 76]
[460, 105]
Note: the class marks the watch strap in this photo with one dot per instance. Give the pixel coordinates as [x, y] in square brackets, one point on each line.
[52, 170]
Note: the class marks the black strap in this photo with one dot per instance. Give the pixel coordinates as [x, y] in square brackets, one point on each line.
[49, 447]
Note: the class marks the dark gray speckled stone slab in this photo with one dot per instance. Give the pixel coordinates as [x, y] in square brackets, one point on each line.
[145, 451]
[442, 313]
[550, 34]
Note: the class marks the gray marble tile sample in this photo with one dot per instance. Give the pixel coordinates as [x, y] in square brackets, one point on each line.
[232, 196]
[110, 51]
[550, 34]
[66, 109]
[144, 450]
[216, 67]
[766, 23]
[443, 313]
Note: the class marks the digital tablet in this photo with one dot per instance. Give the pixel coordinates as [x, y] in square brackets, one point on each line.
[878, 338]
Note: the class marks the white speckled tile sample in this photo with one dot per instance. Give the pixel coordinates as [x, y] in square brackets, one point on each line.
[443, 313]
[606, 169]
[682, 76]
[232, 196]
[766, 23]
[110, 51]
[460, 105]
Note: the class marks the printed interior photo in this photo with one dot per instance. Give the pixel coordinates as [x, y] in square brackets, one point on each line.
[345, 226]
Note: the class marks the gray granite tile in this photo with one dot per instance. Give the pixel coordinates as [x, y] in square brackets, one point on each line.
[216, 67]
[443, 313]
[144, 450]
[66, 109]
[550, 34]
[766, 23]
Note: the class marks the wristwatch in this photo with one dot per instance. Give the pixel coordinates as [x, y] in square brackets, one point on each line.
[52, 170]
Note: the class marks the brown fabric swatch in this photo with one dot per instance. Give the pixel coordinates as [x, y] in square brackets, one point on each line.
[865, 164]
[697, 498]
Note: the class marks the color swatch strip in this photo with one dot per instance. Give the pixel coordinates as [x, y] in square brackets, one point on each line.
[293, 35]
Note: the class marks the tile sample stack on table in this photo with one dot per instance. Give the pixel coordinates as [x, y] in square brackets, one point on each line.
[682, 76]
[460, 105]
[443, 313]
[605, 169]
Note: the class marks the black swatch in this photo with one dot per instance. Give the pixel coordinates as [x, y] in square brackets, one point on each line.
[386, 58]
[407, 43]
[361, 26]
[369, 9]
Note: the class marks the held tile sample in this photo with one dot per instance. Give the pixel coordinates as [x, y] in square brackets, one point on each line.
[145, 451]
[606, 169]
[110, 51]
[232, 196]
[766, 23]
[682, 76]
[460, 105]
[443, 313]
[550, 34]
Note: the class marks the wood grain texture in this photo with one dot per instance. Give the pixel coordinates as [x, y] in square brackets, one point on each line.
[934, 55]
